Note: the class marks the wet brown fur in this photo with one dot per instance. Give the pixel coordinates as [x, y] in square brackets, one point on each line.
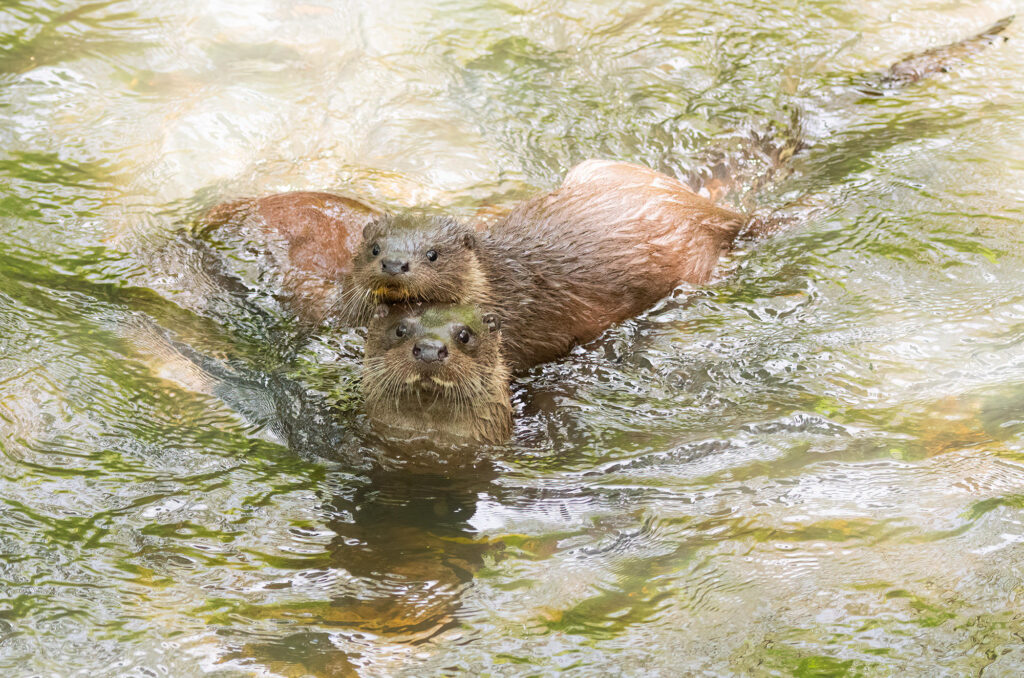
[464, 398]
[665, 231]
[317, 235]
[450, 279]
[559, 269]
[611, 241]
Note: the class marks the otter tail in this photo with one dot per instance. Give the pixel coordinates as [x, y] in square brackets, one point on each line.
[769, 152]
[761, 157]
[917, 67]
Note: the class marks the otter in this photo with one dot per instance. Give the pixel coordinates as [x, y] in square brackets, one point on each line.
[437, 368]
[317, 234]
[556, 271]
[561, 268]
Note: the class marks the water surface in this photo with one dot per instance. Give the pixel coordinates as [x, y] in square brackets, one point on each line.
[813, 466]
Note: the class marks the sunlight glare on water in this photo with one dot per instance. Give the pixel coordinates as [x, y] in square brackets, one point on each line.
[813, 466]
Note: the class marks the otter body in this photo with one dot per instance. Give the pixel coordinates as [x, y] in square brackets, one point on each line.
[312, 236]
[437, 369]
[558, 270]
[319, 233]
[611, 241]
[608, 244]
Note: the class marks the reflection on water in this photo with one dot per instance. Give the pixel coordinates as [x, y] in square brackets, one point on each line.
[810, 467]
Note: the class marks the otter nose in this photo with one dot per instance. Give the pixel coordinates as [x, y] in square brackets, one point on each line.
[393, 267]
[430, 350]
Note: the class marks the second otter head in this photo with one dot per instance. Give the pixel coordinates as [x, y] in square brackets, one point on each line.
[437, 371]
[415, 257]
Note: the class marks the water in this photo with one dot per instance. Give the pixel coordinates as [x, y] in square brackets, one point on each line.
[813, 466]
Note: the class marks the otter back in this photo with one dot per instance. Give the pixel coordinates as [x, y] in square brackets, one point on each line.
[609, 243]
[313, 237]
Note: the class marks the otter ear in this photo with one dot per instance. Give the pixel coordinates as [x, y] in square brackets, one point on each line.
[469, 240]
[492, 321]
[374, 224]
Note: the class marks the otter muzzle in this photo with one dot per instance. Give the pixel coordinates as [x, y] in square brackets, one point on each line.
[430, 351]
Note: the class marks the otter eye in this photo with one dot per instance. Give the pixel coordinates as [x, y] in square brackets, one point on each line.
[463, 336]
[432, 255]
[401, 330]
[376, 249]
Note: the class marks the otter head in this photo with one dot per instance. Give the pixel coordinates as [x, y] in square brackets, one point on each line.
[436, 371]
[415, 257]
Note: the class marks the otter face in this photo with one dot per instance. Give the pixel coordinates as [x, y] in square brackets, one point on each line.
[416, 258]
[437, 369]
[432, 348]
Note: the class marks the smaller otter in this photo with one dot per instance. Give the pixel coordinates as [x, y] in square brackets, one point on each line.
[437, 370]
[607, 244]
[400, 260]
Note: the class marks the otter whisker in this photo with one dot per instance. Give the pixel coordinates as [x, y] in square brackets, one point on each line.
[357, 304]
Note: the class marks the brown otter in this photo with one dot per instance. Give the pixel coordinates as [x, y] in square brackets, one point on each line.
[437, 369]
[623, 205]
[319, 232]
[312, 236]
[561, 268]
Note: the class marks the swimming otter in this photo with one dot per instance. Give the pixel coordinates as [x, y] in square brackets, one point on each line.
[611, 241]
[561, 268]
[437, 369]
[632, 212]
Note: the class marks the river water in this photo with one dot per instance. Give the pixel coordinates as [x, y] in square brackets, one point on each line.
[813, 466]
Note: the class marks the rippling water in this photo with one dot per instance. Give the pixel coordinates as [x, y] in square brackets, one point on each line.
[814, 466]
